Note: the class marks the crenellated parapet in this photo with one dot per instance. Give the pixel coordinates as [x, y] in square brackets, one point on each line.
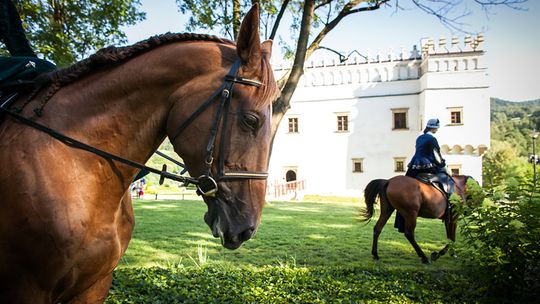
[451, 55]
[452, 46]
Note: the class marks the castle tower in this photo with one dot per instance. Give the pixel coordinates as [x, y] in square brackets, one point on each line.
[454, 88]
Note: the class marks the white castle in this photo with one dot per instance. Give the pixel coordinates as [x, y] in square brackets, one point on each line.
[358, 120]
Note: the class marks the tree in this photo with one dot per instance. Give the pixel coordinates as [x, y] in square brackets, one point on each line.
[67, 31]
[312, 20]
[513, 122]
[502, 166]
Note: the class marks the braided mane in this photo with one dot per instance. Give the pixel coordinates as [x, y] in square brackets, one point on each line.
[111, 56]
[114, 55]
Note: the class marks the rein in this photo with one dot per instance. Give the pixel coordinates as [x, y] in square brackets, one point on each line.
[80, 145]
[206, 183]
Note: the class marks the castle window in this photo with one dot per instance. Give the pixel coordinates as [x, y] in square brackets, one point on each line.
[399, 119]
[456, 115]
[455, 169]
[293, 124]
[342, 123]
[358, 165]
[399, 164]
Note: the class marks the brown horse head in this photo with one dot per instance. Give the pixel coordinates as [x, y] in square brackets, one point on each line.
[234, 151]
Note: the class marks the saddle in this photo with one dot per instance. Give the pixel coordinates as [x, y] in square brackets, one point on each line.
[19, 74]
[441, 182]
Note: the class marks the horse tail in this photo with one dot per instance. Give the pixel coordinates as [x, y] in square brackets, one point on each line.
[375, 188]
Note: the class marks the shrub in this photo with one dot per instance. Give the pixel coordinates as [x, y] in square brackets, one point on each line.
[502, 235]
[215, 283]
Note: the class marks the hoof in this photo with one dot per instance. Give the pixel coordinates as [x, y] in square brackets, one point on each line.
[376, 257]
[434, 256]
[426, 261]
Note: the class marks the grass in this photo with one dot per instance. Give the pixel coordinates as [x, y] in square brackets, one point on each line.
[305, 234]
[315, 251]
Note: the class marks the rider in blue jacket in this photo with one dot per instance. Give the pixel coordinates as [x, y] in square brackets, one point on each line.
[427, 158]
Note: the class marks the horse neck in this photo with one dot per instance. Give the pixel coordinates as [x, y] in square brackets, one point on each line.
[461, 185]
[124, 110]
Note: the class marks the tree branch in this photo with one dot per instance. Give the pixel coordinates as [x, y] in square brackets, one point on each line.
[281, 105]
[278, 19]
[322, 4]
[347, 10]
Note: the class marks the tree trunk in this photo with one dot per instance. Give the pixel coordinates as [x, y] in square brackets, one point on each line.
[236, 18]
[282, 104]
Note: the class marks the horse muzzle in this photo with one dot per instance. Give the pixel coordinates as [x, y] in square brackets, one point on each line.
[232, 233]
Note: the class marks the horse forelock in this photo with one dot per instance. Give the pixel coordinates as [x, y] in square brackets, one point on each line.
[269, 91]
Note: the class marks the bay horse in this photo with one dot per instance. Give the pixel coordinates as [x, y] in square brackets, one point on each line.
[69, 154]
[412, 199]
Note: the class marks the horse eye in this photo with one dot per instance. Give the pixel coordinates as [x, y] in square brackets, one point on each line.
[250, 121]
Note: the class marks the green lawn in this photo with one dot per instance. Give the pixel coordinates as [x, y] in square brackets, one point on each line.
[300, 233]
[315, 251]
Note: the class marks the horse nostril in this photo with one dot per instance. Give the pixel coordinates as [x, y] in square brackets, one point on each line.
[246, 234]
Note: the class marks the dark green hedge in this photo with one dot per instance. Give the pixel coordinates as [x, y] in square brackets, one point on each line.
[283, 284]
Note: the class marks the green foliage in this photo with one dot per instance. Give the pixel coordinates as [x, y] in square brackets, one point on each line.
[67, 31]
[505, 164]
[284, 284]
[502, 166]
[502, 238]
[218, 15]
[513, 122]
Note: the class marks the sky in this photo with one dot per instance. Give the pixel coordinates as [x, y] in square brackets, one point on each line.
[512, 40]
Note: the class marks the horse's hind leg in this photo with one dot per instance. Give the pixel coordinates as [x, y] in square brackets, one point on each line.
[386, 212]
[410, 225]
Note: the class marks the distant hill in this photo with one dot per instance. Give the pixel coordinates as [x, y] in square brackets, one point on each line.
[514, 122]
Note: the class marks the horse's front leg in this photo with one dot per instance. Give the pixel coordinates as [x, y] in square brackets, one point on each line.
[410, 225]
[95, 294]
[437, 254]
[451, 234]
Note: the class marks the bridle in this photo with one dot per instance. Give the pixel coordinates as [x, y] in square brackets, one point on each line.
[206, 183]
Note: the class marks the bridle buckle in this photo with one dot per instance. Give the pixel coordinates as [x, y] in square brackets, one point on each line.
[207, 186]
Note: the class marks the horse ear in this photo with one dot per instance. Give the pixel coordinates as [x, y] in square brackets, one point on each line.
[266, 48]
[248, 43]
